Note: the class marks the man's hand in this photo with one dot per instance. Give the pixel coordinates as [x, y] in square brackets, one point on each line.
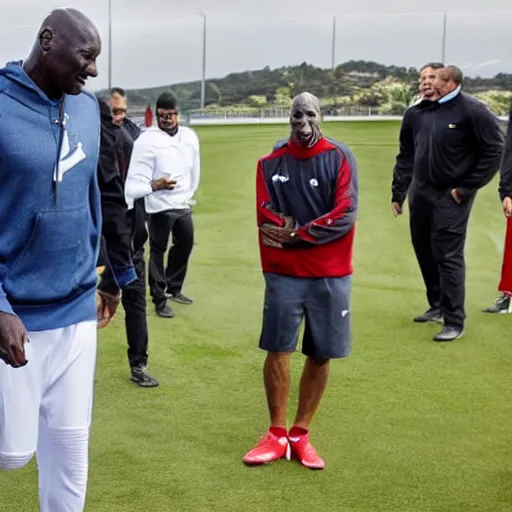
[456, 196]
[12, 340]
[396, 208]
[289, 222]
[106, 306]
[163, 183]
[507, 206]
[285, 235]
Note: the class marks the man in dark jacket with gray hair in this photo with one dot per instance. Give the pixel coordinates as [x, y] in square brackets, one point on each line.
[449, 148]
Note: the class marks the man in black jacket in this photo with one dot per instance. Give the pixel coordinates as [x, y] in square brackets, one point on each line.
[117, 223]
[403, 170]
[117, 144]
[114, 210]
[449, 148]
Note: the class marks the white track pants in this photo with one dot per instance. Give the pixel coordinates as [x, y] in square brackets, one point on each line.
[45, 408]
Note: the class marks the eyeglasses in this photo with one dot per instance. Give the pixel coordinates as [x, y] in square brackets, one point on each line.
[118, 111]
[166, 116]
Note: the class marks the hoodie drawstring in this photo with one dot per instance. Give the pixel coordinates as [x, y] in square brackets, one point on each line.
[60, 122]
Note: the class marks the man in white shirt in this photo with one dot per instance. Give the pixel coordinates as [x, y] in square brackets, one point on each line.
[167, 152]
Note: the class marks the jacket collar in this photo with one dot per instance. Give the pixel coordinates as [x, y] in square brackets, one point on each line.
[302, 153]
[450, 96]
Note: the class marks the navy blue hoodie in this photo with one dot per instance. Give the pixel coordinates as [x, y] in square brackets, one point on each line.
[50, 213]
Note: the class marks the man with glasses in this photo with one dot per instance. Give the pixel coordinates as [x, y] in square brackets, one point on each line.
[165, 170]
[119, 107]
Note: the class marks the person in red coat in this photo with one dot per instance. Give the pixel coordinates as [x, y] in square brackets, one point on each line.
[148, 117]
[503, 303]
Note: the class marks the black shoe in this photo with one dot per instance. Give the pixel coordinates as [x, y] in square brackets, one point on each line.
[449, 333]
[431, 315]
[140, 375]
[502, 305]
[179, 298]
[165, 311]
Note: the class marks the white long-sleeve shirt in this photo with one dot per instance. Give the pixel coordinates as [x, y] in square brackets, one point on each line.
[155, 154]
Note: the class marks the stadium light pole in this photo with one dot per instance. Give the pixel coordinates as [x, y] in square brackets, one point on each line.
[444, 38]
[109, 45]
[203, 78]
[333, 53]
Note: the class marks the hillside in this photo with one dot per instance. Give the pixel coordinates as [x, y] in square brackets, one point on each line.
[360, 83]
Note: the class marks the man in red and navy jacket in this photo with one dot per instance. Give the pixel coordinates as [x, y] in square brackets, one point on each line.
[307, 195]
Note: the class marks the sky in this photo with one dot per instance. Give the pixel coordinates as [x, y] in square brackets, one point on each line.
[159, 42]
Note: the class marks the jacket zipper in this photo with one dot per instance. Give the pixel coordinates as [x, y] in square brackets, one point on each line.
[430, 151]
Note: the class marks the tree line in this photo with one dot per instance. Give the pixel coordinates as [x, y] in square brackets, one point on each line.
[356, 82]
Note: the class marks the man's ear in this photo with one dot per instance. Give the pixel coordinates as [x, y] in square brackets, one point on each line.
[45, 40]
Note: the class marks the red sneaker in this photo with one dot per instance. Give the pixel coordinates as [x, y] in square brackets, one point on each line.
[303, 450]
[273, 446]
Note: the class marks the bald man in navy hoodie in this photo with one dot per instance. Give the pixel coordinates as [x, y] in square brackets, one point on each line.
[51, 223]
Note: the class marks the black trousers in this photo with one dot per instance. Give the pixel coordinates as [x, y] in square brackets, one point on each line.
[438, 232]
[169, 278]
[133, 299]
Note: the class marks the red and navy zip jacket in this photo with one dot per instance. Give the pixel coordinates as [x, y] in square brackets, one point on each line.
[318, 187]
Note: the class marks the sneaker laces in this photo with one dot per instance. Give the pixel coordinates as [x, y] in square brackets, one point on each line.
[502, 299]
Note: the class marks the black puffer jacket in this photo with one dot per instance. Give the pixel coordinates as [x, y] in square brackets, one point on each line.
[505, 189]
[117, 220]
[128, 133]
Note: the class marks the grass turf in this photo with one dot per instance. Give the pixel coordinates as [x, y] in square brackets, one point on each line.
[406, 424]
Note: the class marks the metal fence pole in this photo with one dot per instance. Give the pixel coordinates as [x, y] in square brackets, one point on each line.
[109, 44]
[444, 39]
[203, 80]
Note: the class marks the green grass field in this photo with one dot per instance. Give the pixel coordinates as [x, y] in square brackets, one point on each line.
[406, 424]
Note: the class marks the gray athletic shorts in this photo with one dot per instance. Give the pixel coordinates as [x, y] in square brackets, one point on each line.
[324, 303]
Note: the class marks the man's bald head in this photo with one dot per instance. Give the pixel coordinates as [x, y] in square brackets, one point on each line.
[64, 54]
[71, 21]
[305, 117]
[306, 100]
